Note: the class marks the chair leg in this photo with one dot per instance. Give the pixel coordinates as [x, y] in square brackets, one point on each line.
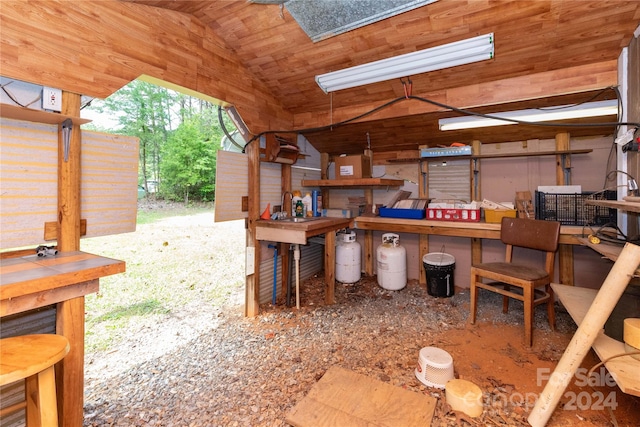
[42, 408]
[551, 312]
[505, 300]
[474, 298]
[528, 314]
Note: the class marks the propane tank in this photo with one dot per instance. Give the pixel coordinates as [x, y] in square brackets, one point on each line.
[392, 263]
[348, 268]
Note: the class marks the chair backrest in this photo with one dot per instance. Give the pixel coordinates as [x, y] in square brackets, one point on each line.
[530, 233]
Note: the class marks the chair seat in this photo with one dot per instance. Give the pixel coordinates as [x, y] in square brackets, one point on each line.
[27, 355]
[496, 270]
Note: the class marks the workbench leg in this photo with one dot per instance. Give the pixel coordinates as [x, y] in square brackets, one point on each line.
[423, 250]
[70, 370]
[565, 264]
[330, 267]
[476, 251]
[368, 252]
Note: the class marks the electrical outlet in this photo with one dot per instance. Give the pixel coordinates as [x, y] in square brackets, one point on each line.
[51, 99]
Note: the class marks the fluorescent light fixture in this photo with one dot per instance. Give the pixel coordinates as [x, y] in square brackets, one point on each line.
[590, 109]
[436, 58]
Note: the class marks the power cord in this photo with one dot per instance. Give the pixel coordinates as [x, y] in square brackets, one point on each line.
[408, 96]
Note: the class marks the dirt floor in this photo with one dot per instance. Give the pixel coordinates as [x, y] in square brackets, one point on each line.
[492, 355]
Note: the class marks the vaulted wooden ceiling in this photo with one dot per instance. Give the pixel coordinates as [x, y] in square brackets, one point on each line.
[548, 52]
[256, 57]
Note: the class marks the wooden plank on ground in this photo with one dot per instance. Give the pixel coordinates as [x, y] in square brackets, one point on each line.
[345, 398]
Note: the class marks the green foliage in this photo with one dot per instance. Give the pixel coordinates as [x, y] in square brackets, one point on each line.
[189, 162]
[179, 138]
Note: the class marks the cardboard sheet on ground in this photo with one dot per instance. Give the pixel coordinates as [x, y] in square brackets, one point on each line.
[344, 398]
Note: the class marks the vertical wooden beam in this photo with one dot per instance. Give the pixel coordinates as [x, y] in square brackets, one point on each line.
[562, 143]
[565, 252]
[324, 167]
[285, 183]
[70, 313]
[252, 283]
[368, 237]
[423, 239]
[70, 370]
[476, 194]
[69, 178]
[474, 170]
[330, 267]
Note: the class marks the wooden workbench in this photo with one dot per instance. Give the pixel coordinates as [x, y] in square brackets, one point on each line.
[31, 282]
[475, 230]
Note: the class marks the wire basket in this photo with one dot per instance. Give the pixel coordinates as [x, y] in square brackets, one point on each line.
[571, 209]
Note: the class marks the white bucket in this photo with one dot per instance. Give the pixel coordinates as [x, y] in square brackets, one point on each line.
[435, 367]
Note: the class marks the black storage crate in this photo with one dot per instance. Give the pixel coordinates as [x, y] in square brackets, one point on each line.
[571, 209]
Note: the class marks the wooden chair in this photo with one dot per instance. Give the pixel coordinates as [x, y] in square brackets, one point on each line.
[32, 358]
[525, 233]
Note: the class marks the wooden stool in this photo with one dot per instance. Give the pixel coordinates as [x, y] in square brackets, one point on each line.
[32, 358]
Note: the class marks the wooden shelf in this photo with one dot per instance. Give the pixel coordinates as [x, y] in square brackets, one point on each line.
[625, 370]
[350, 183]
[616, 204]
[39, 116]
[280, 150]
[490, 156]
[607, 250]
[531, 154]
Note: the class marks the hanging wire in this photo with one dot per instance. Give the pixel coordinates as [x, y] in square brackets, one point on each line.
[458, 110]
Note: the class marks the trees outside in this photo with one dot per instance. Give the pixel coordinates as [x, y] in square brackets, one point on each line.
[179, 138]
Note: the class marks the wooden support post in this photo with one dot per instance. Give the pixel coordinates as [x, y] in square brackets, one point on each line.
[285, 183]
[368, 237]
[69, 177]
[329, 267]
[70, 370]
[252, 283]
[592, 324]
[368, 252]
[70, 313]
[563, 161]
[476, 194]
[565, 252]
[423, 239]
[324, 167]
[476, 146]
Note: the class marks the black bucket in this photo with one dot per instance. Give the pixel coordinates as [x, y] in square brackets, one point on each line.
[439, 267]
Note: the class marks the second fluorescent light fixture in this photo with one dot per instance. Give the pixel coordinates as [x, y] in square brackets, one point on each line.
[589, 109]
[436, 58]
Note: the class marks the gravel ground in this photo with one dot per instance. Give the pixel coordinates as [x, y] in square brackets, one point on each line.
[210, 366]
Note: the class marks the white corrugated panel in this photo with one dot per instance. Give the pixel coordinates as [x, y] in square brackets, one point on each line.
[231, 184]
[270, 185]
[109, 183]
[311, 262]
[29, 180]
[451, 177]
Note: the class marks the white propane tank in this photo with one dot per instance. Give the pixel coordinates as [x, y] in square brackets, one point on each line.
[392, 263]
[348, 262]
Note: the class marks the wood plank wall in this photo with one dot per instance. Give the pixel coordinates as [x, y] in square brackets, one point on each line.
[94, 48]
